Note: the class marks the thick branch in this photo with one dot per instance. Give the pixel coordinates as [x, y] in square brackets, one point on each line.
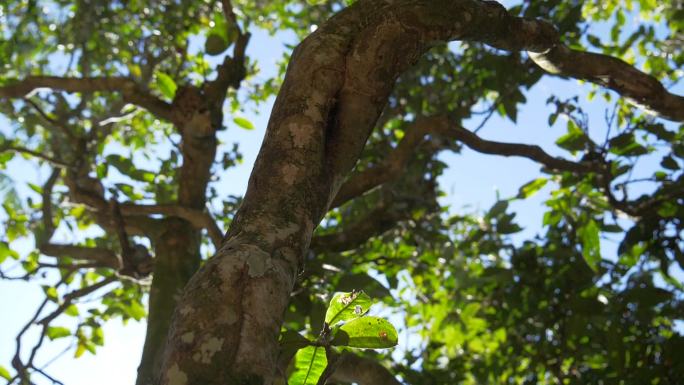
[363, 371]
[200, 219]
[391, 167]
[641, 89]
[542, 42]
[130, 90]
[336, 86]
[375, 223]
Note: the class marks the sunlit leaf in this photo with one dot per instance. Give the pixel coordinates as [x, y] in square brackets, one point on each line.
[244, 123]
[347, 306]
[166, 85]
[54, 332]
[366, 332]
[310, 362]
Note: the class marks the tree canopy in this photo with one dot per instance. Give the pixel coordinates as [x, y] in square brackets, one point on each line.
[128, 110]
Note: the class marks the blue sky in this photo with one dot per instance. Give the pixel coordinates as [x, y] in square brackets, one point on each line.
[472, 180]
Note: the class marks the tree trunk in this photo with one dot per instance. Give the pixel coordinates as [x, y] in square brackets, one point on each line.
[177, 248]
[225, 329]
[177, 259]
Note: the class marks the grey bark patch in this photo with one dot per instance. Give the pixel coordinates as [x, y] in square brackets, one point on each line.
[188, 337]
[176, 376]
[209, 347]
[258, 263]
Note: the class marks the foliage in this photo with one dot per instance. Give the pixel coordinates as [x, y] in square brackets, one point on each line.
[346, 325]
[594, 297]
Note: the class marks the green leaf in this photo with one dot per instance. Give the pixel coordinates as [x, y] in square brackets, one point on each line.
[532, 187]
[35, 188]
[668, 209]
[80, 349]
[497, 209]
[136, 311]
[591, 246]
[669, 163]
[290, 343]
[626, 145]
[54, 332]
[4, 373]
[573, 141]
[71, 310]
[347, 306]
[244, 123]
[310, 363]
[366, 332]
[166, 85]
[5, 252]
[51, 293]
[215, 44]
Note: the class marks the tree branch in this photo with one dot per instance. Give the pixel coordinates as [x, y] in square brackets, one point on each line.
[23, 150]
[542, 41]
[377, 222]
[532, 152]
[639, 88]
[200, 219]
[129, 89]
[391, 167]
[352, 368]
[101, 256]
[232, 71]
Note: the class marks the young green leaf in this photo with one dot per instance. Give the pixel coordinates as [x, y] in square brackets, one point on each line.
[366, 332]
[532, 187]
[54, 332]
[4, 373]
[244, 123]
[591, 246]
[347, 306]
[310, 362]
[166, 85]
[5, 252]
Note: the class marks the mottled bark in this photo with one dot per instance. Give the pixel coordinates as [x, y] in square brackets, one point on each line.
[227, 323]
[177, 258]
[128, 88]
[639, 88]
[177, 249]
[226, 326]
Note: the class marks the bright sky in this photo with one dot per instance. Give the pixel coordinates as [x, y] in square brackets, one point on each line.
[471, 180]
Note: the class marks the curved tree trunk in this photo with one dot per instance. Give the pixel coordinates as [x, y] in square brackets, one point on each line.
[226, 326]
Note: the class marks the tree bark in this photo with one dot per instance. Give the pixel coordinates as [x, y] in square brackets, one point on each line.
[226, 325]
[177, 249]
[177, 259]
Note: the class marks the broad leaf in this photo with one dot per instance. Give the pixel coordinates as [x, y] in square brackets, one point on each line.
[347, 306]
[310, 362]
[366, 332]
